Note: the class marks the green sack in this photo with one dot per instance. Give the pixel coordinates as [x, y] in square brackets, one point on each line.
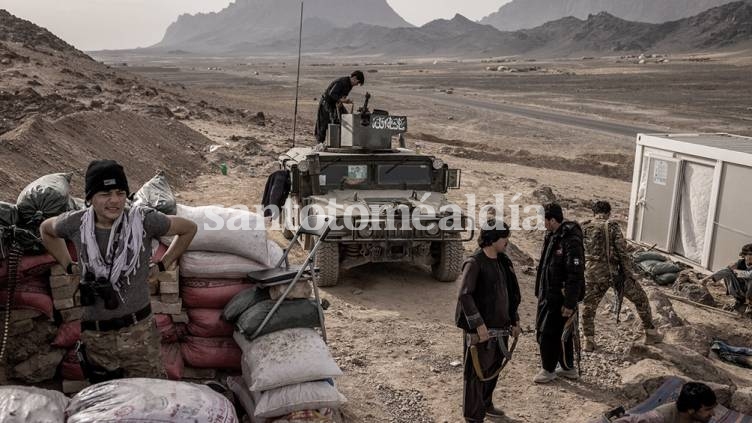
[290, 314]
[647, 265]
[244, 300]
[8, 214]
[158, 195]
[641, 256]
[666, 279]
[665, 267]
[48, 196]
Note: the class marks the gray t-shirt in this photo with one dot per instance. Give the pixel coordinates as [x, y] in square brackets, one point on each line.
[156, 224]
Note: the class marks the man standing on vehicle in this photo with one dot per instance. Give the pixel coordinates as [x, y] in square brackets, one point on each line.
[559, 286]
[487, 313]
[332, 100]
[113, 242]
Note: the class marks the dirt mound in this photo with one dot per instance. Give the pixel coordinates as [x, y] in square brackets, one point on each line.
[141, 144]
[33, 37]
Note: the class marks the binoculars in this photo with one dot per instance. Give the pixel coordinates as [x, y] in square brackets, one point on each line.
[93, 287]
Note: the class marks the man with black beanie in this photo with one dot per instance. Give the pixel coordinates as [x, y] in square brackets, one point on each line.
[487, 313]
[113, 243]
[331, 103]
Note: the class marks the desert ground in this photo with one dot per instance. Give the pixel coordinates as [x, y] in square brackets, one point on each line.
[536, 130]
[569, 125]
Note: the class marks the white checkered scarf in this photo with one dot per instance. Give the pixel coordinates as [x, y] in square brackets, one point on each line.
[118, 265]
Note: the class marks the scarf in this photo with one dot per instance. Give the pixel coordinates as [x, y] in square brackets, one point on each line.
[123, 248]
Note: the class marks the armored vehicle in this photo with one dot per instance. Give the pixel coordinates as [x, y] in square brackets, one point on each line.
[389, 204]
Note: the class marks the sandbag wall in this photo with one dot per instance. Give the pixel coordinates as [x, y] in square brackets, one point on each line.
[288, 371]
[229, 244]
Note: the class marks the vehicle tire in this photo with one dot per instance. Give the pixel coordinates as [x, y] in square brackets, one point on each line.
[327, 261]
[448, 257]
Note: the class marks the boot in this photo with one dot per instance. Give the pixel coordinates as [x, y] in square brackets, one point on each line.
[652, 337]
[589, 345]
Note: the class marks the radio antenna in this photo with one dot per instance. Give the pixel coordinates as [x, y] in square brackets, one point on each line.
[297, 82]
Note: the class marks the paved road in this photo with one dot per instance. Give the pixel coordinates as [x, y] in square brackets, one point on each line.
[543, 115]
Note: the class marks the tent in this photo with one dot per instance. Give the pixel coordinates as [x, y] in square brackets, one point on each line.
[691, 196]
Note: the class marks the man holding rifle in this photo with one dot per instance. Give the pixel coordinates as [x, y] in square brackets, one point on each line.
[487, 313]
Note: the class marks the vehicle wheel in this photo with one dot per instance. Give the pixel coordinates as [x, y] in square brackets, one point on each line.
[327, 261]
[448, 261]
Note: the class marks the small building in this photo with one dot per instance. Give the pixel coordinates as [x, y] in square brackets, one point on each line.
[692, 196]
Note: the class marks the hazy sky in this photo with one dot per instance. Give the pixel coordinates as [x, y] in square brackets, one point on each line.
[116, 24]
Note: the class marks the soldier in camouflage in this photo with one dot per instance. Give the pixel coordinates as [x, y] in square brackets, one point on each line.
[605, 256]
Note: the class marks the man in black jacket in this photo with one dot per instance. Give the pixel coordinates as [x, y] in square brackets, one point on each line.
[331, 104]
[487, 312]
[559, 286]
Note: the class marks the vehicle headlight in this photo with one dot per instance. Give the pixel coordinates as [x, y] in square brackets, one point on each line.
[303, 166]
[365, 232]
[433, 229]
[437, 164]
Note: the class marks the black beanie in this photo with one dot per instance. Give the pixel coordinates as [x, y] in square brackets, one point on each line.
[105, 175]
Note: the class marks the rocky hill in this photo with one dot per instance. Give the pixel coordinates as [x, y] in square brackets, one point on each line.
[521, 14]
[256, 21]
[59, 109]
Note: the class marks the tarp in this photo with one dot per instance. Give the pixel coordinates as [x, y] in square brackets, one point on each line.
[669, 392]
[693, 210]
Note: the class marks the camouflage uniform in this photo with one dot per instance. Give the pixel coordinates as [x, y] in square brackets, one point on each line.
[598, 276]
[135, 349]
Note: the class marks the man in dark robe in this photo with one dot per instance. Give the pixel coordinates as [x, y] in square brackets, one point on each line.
[332, 100]
[487, 312]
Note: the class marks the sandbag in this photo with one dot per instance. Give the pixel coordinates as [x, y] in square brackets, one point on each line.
[210, 292]
[70, 368]
[243, 301]
[665, 267]
[666, 279]
[8, 214]
[238, 387]
[212, 265]
[167, 329]
[211, 353]
[304, 396]
[208, 323]
[39, 367]
[647, 265]
[290, 314]
[285, 358]
[30, 265]
[301, 290]
[172, 360]
[29, 300]
[226, 230]
[157, 194]
[21, 404]
[641, 256]
[68, 334]
[149, 401]
[46, 197]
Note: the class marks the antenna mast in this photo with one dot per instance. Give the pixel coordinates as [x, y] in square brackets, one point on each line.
[297, 82]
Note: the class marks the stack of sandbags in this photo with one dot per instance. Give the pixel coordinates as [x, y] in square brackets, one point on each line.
[149, 400]
[228, 245]
[657, 266]
[285, 374]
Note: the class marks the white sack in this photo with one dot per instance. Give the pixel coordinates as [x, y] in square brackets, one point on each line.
[21, 404]
[205, 264]
[303, 396]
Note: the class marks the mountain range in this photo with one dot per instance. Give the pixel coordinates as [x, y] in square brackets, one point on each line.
[521, 14]
[719, 27]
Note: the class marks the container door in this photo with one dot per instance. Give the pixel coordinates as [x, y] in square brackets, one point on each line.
[692, 215]
[658, 202]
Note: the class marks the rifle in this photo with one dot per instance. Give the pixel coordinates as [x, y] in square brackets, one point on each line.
[617, 278]
[572, 328]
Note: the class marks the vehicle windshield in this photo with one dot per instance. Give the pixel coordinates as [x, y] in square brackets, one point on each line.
[401, 174]
[346, 175]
